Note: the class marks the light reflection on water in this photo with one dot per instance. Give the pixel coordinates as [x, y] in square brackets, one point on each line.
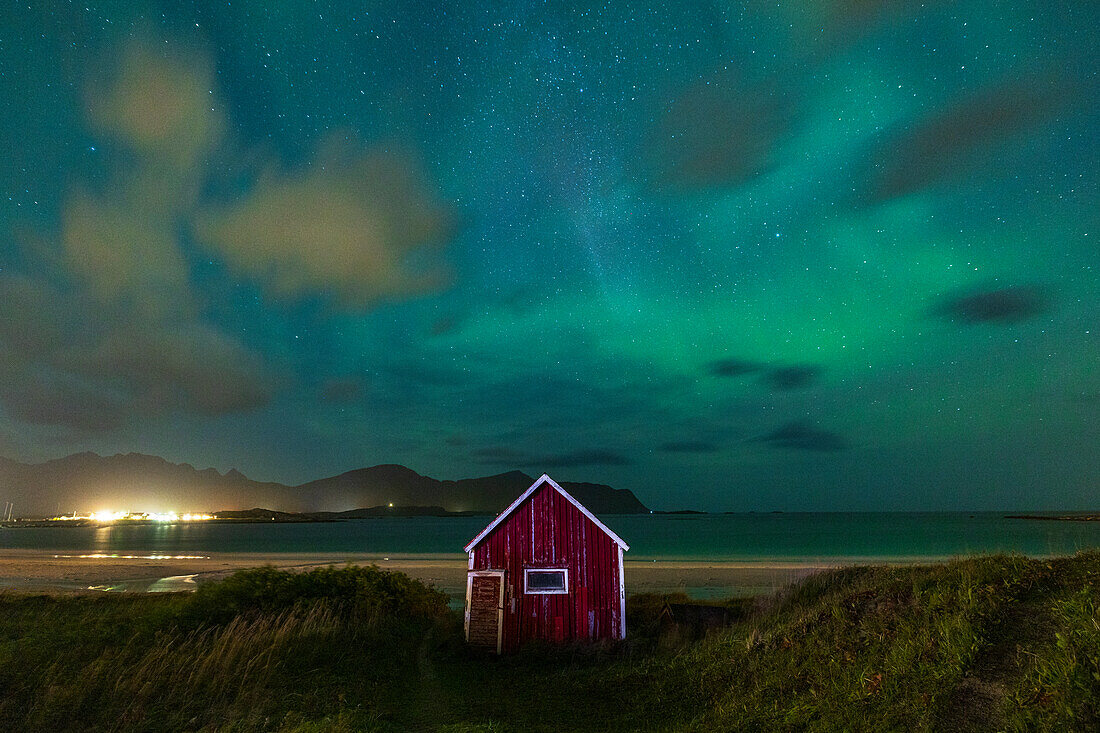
[115, 555]
[101, 542]
[693, 537]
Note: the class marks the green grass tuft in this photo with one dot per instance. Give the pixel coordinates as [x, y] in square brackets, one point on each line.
[991, 643]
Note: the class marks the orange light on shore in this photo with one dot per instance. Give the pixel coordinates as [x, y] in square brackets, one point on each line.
[105, 556]
[118, 516]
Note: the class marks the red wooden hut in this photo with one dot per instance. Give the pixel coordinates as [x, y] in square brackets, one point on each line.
[545, 568]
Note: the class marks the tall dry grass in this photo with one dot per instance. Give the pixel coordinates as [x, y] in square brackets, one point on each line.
[185, 664]
[992, 643]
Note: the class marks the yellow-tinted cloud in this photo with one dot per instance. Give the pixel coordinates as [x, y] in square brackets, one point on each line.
[127, 345]
[351, 225]
[160, 102]
[124, 255]
[158, 110]
[360, 224]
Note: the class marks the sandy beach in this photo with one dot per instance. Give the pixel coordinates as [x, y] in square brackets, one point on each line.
[57, 572]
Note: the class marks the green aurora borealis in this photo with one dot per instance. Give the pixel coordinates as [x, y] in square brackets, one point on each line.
[742, 256]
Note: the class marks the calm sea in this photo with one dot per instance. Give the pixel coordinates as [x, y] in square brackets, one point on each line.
[788, 536]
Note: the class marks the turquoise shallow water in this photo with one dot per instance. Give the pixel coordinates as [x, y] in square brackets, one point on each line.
[789, 536]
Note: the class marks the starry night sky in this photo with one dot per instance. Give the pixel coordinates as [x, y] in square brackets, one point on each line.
[747, 256]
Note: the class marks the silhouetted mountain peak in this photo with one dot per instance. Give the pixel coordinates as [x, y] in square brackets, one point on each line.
[513, 475]
[393, 469]
[142, 482]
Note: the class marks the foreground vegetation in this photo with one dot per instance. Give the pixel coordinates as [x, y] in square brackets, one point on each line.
[995, 643]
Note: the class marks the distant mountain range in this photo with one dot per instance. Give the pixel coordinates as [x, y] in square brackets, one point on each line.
[86, 482]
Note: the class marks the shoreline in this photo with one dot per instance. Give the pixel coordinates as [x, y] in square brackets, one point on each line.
[39, 571]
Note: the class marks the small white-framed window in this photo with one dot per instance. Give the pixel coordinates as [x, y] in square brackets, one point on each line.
[546, 581]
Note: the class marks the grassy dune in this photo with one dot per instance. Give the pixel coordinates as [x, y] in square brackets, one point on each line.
[996, 643]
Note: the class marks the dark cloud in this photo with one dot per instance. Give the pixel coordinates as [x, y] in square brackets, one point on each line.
[341, 389]
[854, 16]
[42, 396]
[791, 377]
[949, 144]
[34, 330]
[802, 436]
[443, 325]
[424, 370]
[594, 457]
[1003, 305]
[67, 363]
[828, 25]
[31, 315]
[100, 382]
[733, 367]
[505, 455]
[721, 131]
[775, 377]
[190, 368]
[499, 454]
[689, 446]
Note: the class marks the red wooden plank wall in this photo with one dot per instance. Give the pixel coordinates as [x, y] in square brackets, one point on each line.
[548, 531]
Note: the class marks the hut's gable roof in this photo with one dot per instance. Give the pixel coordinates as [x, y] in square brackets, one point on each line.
[544, 479]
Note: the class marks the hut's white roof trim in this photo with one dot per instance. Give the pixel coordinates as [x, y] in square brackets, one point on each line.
[544, 479]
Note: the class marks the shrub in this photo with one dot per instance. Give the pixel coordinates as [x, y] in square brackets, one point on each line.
[352, 590]
[328, 649]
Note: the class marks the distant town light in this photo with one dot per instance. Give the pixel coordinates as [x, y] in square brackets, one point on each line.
[118, 516]
[103, 556]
